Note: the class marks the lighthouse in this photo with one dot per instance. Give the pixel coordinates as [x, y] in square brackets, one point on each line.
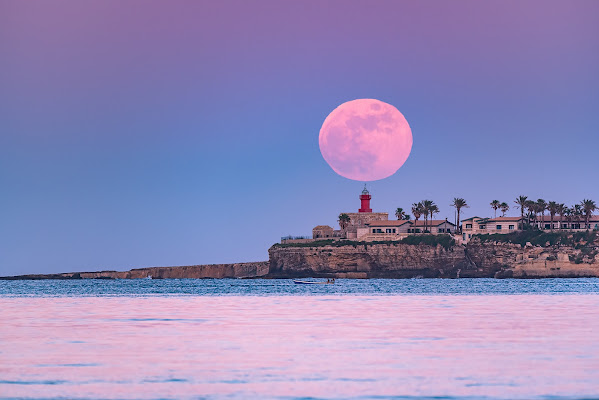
[365, 201]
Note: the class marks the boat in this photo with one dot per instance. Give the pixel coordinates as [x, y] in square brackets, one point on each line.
[300, 282]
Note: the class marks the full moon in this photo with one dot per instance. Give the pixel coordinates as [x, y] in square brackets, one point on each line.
[365, 140]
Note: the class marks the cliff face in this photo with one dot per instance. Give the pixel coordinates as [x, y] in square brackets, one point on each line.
[513, 260]
[476, 260]
[367, 261]
[239, 270]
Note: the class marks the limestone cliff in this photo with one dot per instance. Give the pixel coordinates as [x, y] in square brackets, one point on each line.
[393, 260]
[562, 255]
[238, 270]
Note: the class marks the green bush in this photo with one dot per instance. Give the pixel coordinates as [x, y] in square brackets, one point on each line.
[430, 240]
[540, 238]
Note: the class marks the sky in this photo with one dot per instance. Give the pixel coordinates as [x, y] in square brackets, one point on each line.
[155, 133]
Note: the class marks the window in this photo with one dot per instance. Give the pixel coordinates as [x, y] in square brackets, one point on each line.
[511, 227]
[469, 236]
[417, 230]
[468, 226]
[441, 230]
[482, 227]
[547, 226]
[498, 227]
[389, 230]
[464, 236]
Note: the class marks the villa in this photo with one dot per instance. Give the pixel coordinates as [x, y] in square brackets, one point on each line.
[481, 226]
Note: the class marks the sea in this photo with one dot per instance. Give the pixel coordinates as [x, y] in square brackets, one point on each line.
[274, 339]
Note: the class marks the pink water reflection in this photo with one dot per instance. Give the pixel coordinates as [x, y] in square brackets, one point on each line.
[331, 347]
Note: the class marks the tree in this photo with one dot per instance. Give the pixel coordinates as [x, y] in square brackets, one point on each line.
[521, 202]
[541, 208]
[407, 217]
[577, 213]
[569, 215]
[417, 210]
[433, 210]
[531, 206]
[561, 211]
[588, 207]
[495, 204]
[344, 221]
[504, 207]
[400, 213]
[459, 203]
[426, 209]
[553, 209]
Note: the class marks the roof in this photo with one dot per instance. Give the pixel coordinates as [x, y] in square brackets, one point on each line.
[434, 222]
[321, 227]
[557, 218]
[504, 219]
[389, 223]
[490, 220]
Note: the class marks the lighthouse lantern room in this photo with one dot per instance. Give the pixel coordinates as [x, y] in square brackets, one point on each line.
[365, 201]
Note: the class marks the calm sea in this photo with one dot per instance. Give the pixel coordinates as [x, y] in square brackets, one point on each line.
[263, 339]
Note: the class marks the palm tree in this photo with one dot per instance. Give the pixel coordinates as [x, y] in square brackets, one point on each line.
[417, 211]
[459, 203]
[344, 221]
[561, 211]
[531, 206]
[541, 207]
[426, 209]
[504, 207]
[400, 213]
[521, 202]
[569, 215]
[577, 213]
[553, 209]
[433, 210]
[407, 217]
[495, 204]
[588, 207]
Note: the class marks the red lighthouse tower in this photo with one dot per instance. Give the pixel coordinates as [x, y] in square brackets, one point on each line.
[365, 201]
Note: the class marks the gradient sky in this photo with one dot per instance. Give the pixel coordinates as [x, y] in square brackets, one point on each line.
[147, 133]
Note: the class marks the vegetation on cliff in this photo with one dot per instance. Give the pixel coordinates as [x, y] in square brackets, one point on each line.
[535, 237]
[446, 241]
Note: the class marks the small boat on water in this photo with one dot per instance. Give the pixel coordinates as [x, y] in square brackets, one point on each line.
[300, 282]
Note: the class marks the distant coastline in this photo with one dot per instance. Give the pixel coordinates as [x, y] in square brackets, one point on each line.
[525, 254]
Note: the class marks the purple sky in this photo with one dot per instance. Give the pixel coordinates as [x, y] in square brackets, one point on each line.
[147, 133]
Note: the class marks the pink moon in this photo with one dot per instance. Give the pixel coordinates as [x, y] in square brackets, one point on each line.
[365, 140]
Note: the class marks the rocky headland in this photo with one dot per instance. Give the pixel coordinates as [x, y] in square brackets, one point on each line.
[215, 271]
[527, 254]
[532, 254]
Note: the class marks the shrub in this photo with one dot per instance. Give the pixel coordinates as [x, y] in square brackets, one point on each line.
[540, 238]
[431, 240]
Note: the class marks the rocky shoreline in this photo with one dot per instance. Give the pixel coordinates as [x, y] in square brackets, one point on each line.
[546, 255]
